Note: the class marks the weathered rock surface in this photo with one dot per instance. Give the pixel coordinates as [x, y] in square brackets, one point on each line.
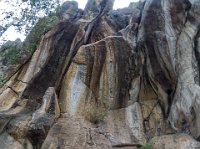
[104, 78]
[176, 141]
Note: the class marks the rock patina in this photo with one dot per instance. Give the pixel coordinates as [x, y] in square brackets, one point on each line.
[112, 79]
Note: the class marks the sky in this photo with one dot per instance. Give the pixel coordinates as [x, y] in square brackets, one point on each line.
[12, 34]
[118, 3]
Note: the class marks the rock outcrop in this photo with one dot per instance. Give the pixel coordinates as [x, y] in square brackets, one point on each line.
[104, 78]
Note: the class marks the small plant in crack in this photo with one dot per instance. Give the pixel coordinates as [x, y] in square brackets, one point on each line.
[148, 145]
[89, 16]
[97, 115]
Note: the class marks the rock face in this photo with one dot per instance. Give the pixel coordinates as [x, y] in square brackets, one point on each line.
[104, 78]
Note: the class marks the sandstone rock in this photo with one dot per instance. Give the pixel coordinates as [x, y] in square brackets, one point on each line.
[71, 133]
[125, 126]
[27, 129]
[103, 83]
[122, 78]
[8, 142]
[93, 7]
[69, 11]
[177, 141]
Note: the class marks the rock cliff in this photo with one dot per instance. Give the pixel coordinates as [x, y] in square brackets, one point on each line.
[104, 78]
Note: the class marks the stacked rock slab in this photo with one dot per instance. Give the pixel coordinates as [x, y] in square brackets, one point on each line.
[104, 78]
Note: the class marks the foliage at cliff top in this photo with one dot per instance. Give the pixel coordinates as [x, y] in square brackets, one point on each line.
[43, 25]
[12, 52]
[23, 14]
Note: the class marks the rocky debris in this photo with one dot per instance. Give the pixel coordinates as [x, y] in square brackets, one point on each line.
[124, 78]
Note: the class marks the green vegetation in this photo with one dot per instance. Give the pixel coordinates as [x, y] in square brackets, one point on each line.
[2, 78]
[89, 16]
[148, 145]
[97, 115]
[10, 51]
[42, 26]
[27, 15]
[13, 55]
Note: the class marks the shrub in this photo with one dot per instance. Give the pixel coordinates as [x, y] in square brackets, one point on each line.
[2, 78]
[13, 55]
[89, 16]
[10, 51]
[43, 25]
[97, 115]
[148, 145]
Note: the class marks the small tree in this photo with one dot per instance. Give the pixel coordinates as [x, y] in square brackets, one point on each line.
[23, 14]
